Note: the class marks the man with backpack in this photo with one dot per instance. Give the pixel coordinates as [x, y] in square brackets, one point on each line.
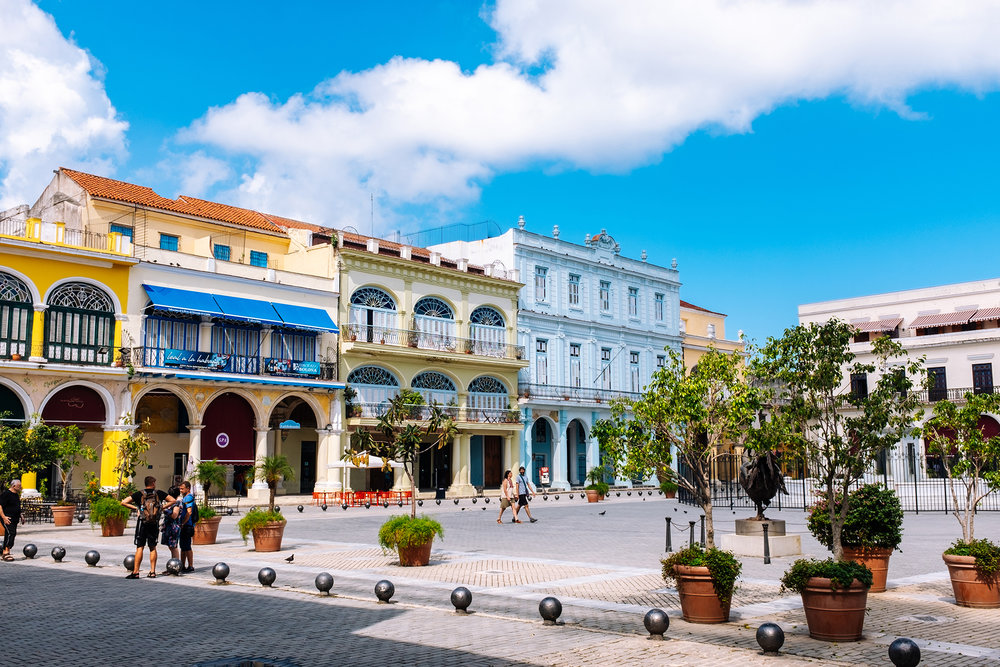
[189, 517]
[149, 504]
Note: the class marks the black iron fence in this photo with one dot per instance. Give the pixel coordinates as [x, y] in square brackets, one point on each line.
[919, 482]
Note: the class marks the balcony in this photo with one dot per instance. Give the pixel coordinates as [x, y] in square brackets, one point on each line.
[423, 412]
[56, 234]
[576, 394]
[193, 360]
[362, 333]
[955, 394]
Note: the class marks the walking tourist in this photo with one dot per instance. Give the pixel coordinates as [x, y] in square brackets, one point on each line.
[10, 514]
[507, 496]
[524, 491]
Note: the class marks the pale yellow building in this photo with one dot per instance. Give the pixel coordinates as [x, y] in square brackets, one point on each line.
[702, 328]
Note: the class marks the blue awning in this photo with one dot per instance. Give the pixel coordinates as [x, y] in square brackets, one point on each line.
[248, 310]
[182, 301]
[303, 317]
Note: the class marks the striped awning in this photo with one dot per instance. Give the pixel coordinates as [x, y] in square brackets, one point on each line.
[984, 314]
[942, 319]
[878, 326]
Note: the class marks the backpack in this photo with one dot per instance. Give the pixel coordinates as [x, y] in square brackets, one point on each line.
[151, 508]
[194, 514]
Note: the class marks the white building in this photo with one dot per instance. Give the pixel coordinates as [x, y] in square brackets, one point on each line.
[595, 325]
[956, 328]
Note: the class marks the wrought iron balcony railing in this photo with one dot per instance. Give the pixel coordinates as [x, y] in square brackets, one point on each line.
[423, 412]
[160, 357]
[363, 333]
[557, 392]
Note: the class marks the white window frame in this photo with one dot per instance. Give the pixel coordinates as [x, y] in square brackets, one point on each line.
[573, 290]
[541, 275]
[605, 295]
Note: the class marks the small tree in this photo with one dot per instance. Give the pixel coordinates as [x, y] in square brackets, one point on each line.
[693, 413]
[68, 450]
[25, 448]
[273, 469]
[836, 429]
[398, 438]
[970, 459]
[131, 451]
[209, 474]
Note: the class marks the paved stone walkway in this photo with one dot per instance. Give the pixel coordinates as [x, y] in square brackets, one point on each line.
[603, 568]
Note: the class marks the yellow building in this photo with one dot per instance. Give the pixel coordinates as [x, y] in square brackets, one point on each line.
[702, 328]
[223, 324]
[445, 329]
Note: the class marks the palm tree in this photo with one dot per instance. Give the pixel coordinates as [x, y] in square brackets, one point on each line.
[273, 469]
[209, 474]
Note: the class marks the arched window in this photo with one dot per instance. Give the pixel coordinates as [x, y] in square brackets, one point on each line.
[436, 388]
[433, 324]
[375, 386]
[488, 400]
[488, 332]
[15, 316]
[79, 325]
[373, 316]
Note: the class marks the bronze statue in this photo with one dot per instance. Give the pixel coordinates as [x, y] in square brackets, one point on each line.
[761, 478]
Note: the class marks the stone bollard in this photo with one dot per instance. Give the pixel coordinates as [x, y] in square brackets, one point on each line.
[550, 609]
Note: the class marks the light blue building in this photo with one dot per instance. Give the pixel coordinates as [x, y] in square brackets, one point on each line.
[595, 325]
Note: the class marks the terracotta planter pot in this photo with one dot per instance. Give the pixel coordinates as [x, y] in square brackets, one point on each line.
[834, 615]
[699, 603]
[670, 494]
[875, 559]
[269, 537]
[206, 531]
[970, 589]
[417, 556]
[62, 515]
[113, 527]
[592, 495]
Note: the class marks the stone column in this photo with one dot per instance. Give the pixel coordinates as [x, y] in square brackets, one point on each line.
[29, 485]
[525, 445]
[508, 454]
[461, 485]
[109, 454]
[560, 446]
[259, 492]
[194, 453]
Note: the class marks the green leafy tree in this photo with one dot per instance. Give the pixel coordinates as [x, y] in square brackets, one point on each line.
[693, 413]
[273, 469]
[26, 448]
[68, 449]
[398, 437]
[837, 432]
[132, 450]
[209, 474]
[970, 459]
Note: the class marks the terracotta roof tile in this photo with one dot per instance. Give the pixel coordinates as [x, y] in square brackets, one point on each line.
[685, 304]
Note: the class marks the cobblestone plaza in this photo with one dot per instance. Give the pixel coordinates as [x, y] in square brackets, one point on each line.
[603, 568]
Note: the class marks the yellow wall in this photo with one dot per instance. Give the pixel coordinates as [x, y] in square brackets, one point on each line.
[696, 339]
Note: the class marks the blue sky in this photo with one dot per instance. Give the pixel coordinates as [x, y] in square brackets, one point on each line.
[783, 152]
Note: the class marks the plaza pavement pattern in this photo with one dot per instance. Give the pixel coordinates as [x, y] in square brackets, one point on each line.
[603, 568]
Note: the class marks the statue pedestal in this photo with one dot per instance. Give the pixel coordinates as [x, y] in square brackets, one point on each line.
[775, 527]
[753, 545]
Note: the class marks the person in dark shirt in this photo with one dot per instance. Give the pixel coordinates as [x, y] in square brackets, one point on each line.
[149, 504]
[10, 515]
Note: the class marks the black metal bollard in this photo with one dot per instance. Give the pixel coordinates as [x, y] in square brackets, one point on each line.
[904, 652]
[771, 637]
[702, 531]
[669, 546]
[767, 545]
[691, 538]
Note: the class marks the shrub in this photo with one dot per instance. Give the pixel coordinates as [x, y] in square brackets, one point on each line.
[986, 553]
[722, 566]
[875, 519]
[840, 573]
[106, 508]
[405, 531]
[255, 519]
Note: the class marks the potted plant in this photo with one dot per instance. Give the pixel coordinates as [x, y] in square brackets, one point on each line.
[597, 488]
[970, 460]
[15, 357]
[872, 530]
[110, 513]
[208, 474]
[705, 581]
[414, 402]
[68, 450]
[267, 527]
[668, 488]
[396, 440]
[410, 537]
[834, 596]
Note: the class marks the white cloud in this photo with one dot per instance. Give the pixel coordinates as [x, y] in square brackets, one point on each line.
[53, 108]
[597, 85]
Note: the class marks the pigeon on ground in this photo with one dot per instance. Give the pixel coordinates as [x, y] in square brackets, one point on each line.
[290, 558]
[601, 513]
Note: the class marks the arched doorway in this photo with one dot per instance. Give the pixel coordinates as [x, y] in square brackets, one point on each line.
[488, 332]
[297, 441]
[11, 408]
[228, 433]
[576, 453]
[373, 316]
[164, 416]
[541, 448]
[434, 322]
[80, 406]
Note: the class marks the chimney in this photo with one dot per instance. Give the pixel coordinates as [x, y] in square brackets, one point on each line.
[405, 252]
[515, 275]
[373, 246]
[435, 258]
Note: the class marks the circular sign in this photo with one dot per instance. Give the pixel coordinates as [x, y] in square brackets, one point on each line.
[222, 440]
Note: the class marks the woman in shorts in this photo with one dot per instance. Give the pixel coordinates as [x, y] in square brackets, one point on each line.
[508, 496]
